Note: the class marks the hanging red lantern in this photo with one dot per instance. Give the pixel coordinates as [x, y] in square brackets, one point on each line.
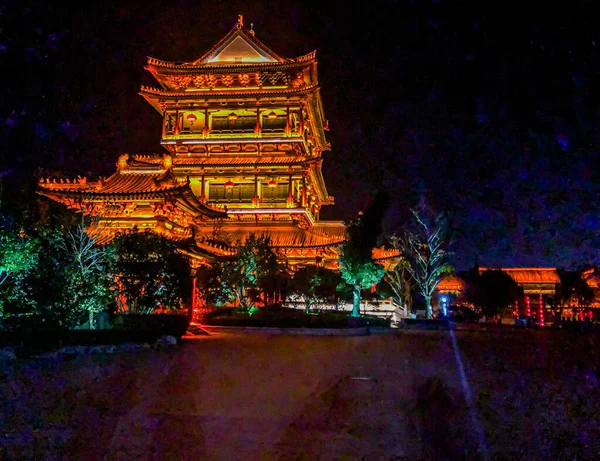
[272, 183]
[232, 117]
[271, 115]
[191, 118]
[229, 186]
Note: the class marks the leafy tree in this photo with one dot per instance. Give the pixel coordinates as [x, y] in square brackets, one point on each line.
[357, 266]
[242, 279]
[572, 285]
[316, 284]
[275, 286]
[150, 273]
[18, 258]
[398, 275]
[426, 250]
[494, 291]
[88, 280]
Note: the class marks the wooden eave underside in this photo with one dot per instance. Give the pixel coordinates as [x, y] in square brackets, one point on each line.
[321, 235]
[316, 175]
[245, 160]
[315, 112]
[153, 93]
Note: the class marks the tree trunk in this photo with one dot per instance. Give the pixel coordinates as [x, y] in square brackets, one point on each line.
[428, 311]
[92, 320]
[308, 304]
[356, 301]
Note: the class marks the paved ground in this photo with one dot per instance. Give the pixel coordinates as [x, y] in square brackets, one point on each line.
[304, 398]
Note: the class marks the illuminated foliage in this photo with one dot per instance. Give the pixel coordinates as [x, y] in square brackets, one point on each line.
[18, 257]
[242, 279]
[87, 277]
[316, 284]
[150, 273]
[357, 266]
[426, 251]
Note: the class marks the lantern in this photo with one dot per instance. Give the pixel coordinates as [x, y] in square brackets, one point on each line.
[191, 118]
[232, 117]
[229, 186]
[271, 115]
[272, 183]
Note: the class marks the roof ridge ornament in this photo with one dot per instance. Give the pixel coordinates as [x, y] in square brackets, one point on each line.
[251, 31]
[240, 21]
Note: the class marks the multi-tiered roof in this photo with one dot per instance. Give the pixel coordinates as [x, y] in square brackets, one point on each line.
[245, 131]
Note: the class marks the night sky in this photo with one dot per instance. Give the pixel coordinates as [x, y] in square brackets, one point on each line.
[491, 113]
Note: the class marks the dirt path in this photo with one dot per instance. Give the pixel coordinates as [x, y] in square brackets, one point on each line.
[295, 398]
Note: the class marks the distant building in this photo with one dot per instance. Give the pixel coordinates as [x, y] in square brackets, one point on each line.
[533, 280]
[452, 284]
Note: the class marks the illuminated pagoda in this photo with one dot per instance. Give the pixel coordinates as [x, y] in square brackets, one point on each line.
[245, 133]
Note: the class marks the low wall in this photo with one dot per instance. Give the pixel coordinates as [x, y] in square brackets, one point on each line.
[363, 331]
[383, 309]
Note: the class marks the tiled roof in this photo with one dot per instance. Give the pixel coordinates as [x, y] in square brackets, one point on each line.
[132, 186]
[321, 235]
[530, 274]
[451, 283]
[120, 184]
[380, 254]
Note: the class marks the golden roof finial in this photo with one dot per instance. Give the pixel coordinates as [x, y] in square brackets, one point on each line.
[240, 22]
[252, 29]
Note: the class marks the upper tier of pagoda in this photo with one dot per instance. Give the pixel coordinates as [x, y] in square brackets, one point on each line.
[239, 88]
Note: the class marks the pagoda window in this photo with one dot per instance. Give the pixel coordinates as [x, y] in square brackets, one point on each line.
[239, 193]
[170, 123]
[278, 193]
[192, 123]
[243, 124]
[273, 125]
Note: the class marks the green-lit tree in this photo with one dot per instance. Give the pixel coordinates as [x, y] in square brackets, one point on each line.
[150, 272]
[426, 251]
[18, 258]
[316, 284]
[242, 279]
[357, 266]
